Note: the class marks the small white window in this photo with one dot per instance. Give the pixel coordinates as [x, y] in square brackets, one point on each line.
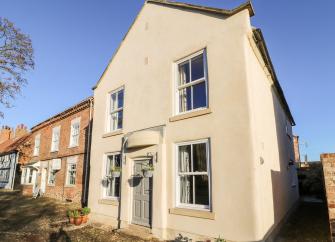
[37, 145]
[51, 174]
[193, 175]
[55, 139]
[111, 185]
[115, 114]
[192, 83]
[71, 171]
[23, 175]
[75, 132]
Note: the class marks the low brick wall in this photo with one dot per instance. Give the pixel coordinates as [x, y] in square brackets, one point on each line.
[328, 163]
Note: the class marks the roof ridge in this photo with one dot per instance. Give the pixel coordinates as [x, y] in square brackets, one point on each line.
[229, 12]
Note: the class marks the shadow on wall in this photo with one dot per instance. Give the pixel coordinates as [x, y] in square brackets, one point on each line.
[284, 181]
[86, 164]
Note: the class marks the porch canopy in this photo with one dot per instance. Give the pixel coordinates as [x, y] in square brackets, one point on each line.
[34, 165]
[143, 138]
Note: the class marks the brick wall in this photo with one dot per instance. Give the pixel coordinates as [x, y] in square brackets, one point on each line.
[328, 163]
[60, 190]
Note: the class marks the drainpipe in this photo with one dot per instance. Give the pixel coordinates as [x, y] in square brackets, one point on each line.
[87, 157]
[122, 160]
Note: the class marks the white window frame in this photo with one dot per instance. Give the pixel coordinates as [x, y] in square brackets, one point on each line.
[49, 173]
[23, 175]
[104, 167]
[110, 112]
[72, 142]
[28, 172]
[55, 140]
[71, 161]
[191, 83]
[208, 173]
[37, 145]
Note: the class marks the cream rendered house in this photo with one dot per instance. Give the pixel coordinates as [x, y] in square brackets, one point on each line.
[192, 91]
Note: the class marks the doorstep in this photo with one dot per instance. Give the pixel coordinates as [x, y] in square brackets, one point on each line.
[137, 231]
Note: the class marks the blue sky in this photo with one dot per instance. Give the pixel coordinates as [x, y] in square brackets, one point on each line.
[74, 40]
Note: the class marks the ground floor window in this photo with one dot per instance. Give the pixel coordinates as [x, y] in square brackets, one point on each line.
[28, 175]
[71, 171]
[193, 180]
[51, 174]
[112, 183]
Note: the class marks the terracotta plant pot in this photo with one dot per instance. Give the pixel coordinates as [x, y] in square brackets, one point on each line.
[84, 218]
[71, 220]
[78, 221]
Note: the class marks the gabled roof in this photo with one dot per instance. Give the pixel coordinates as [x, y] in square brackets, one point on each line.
[12, 145]
[225, 12]
[69, 111]
[185, 6]
[260, 42]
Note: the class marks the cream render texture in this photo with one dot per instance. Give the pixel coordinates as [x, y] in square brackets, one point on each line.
[247, 124]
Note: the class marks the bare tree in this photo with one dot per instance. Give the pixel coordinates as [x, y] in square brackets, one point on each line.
[16, 58]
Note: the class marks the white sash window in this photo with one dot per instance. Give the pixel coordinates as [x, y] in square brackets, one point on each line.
[193, 175]
[115, 116]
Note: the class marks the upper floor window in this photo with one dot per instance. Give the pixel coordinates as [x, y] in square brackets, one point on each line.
[55, 138]
[115, 116]
[37, 145]
[75, 131]
[193, 179]
[112, 184]
[71, 171]
[192, 83]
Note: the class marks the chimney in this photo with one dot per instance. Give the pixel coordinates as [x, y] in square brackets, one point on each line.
[5, 134]
[20, 131]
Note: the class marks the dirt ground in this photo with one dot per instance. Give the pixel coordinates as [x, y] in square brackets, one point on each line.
[24, 219]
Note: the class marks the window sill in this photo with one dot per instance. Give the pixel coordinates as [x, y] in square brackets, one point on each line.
[53, 151]
[70, 186]
[73, 146]
[27, 184]
[109, 201]
[192, 213]
[114, 133]
[191, 114]
[51, 185]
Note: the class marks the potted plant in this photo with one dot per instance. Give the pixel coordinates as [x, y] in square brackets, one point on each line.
[70, 215]
[85, 211]
[116, 171]
[77, 217]
[148, 171]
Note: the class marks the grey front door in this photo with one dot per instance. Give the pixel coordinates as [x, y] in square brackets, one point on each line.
[142, 195]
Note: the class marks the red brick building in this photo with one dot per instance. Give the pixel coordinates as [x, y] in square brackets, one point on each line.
[59, 164]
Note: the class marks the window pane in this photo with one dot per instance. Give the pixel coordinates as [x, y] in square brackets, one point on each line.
[184, 73]
[109, 165]
[186, 189]
[120, 99]
[113, 121]
[117, 160]
[120, 119]
[199, 157]
[198, 68]
[201, 190]
[199, 95]
[113, 101]
[185, 103]
[185, 158]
